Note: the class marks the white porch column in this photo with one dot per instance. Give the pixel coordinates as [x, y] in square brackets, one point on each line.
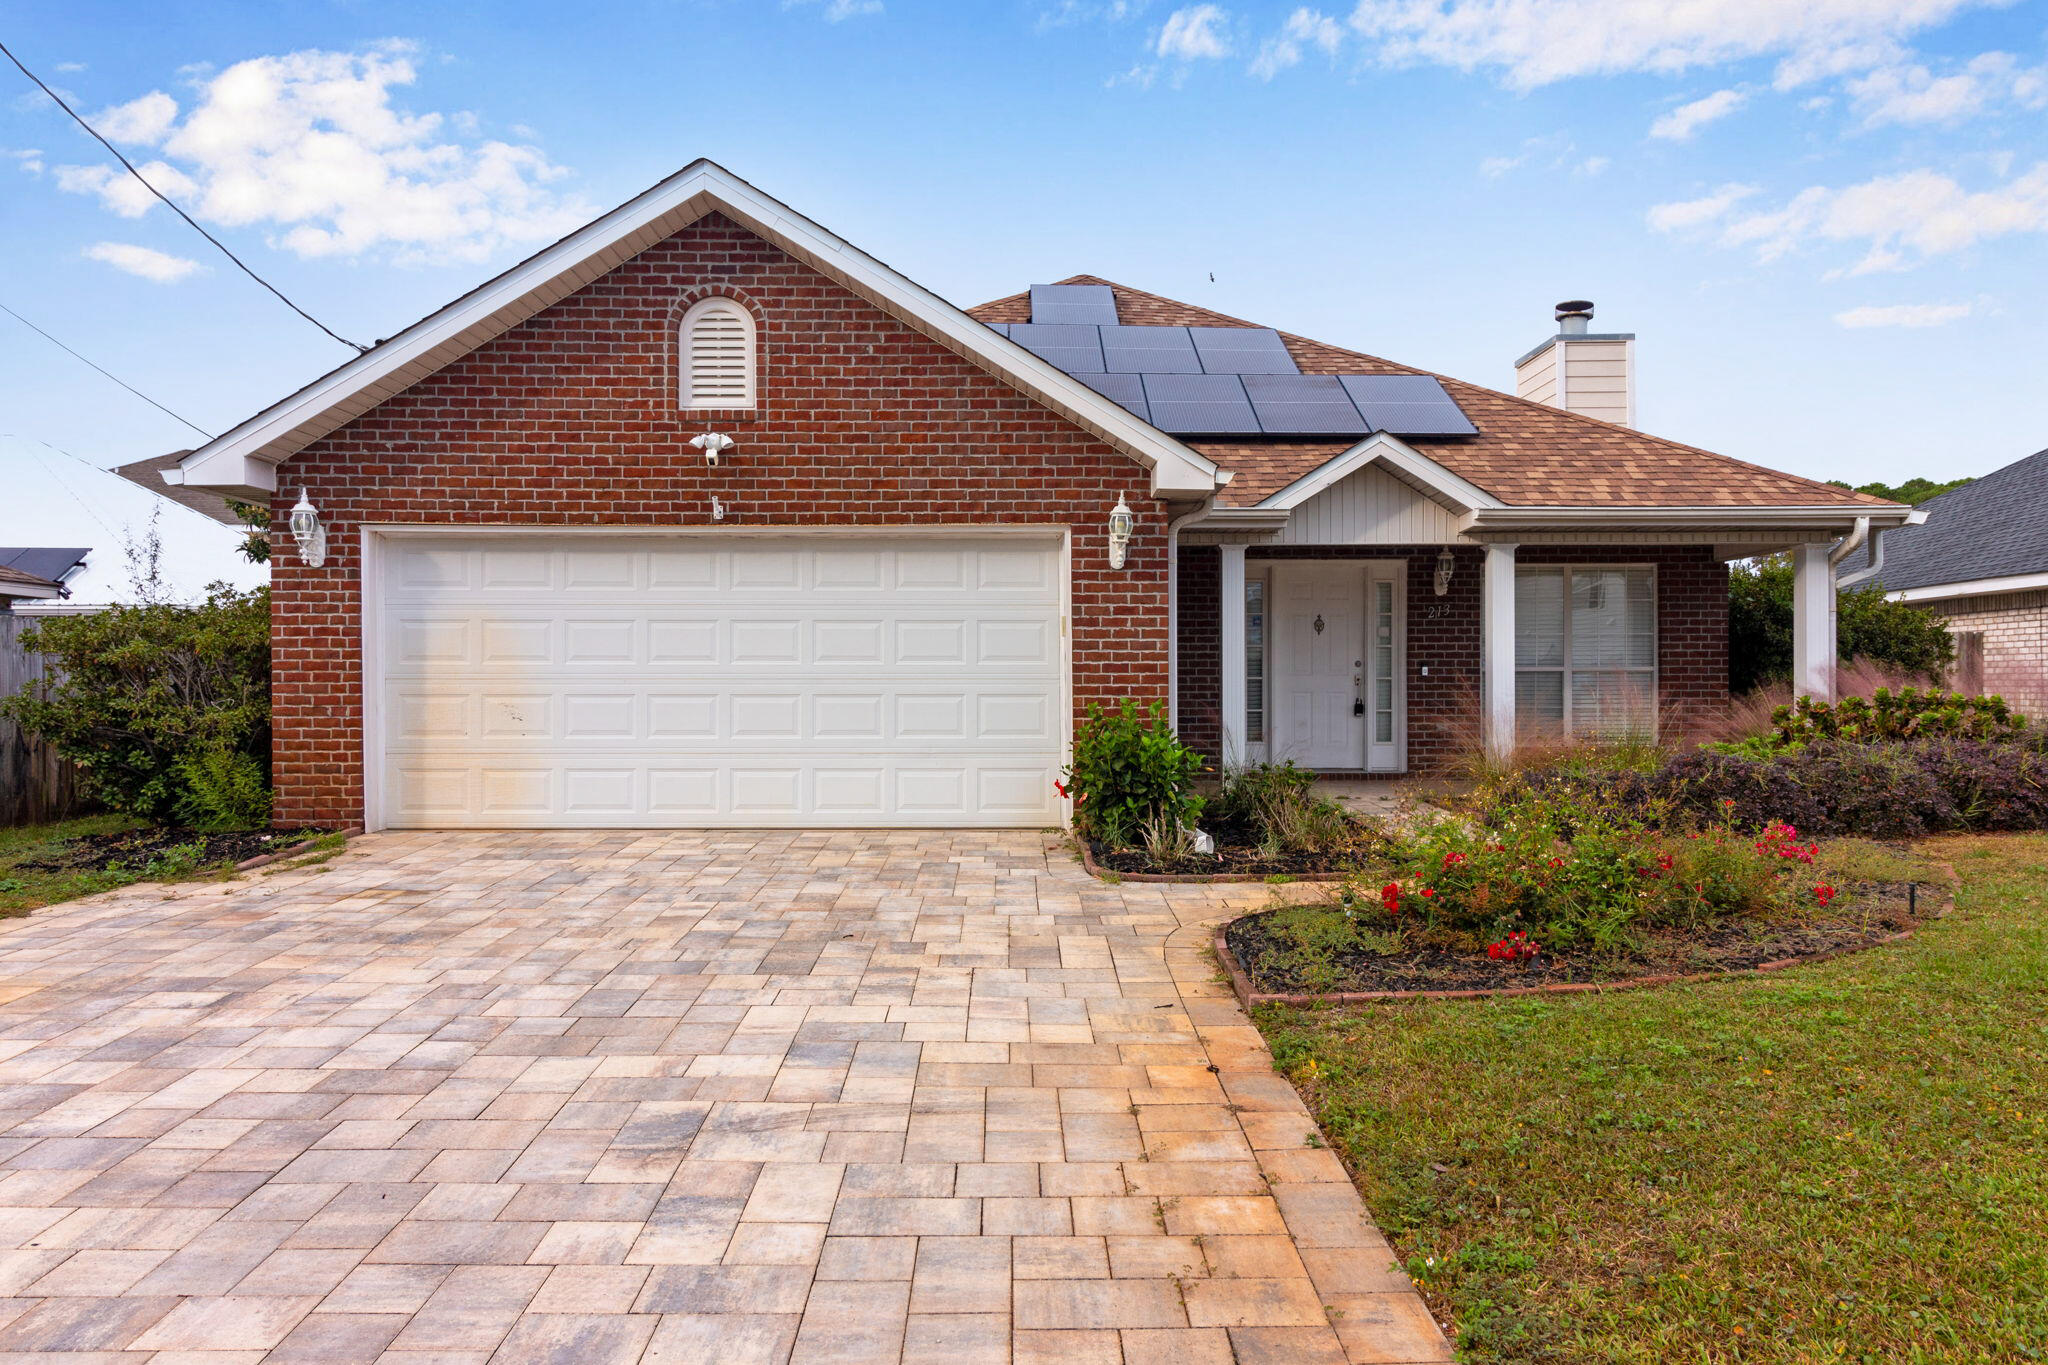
[1813, 623]
[1231, 642]
[1497, 651]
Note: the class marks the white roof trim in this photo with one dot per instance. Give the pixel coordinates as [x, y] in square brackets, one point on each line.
[1971, 587]
[1834, 516]
[30, 590]
[1380, 448]
[238, 458]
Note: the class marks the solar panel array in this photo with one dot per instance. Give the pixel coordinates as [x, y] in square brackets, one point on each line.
[1221, 381]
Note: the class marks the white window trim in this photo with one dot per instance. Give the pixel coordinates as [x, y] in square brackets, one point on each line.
[685, 334]
[1565, 668]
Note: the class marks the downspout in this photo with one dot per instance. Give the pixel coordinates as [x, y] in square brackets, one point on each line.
[1876, 566]
[1850, 544]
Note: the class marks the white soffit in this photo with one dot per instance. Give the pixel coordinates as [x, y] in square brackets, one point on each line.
[1398, 458]
[238, 458]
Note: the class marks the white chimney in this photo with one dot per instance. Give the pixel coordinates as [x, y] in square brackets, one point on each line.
[1580, 370]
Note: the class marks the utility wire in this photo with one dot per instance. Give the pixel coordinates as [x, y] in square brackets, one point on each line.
[108, 373]
[173, 207]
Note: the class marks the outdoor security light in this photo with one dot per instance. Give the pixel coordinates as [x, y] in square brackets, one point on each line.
[713, 444]
[1444, 565]
[1121, 523]
[309, 533]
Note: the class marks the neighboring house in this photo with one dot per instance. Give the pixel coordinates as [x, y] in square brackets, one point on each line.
[34, 574]
[1981, 561]
[702, 516]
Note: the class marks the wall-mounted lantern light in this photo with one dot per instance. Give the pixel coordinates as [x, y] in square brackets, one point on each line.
[1122, 521]
[309, 533]
[1444, 565]
[713, 444]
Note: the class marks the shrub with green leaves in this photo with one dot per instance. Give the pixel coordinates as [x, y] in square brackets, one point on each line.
[142, 696]
[1131, 774]
[1869, 626]
[1902, 713]
[1277, 804]
[225, 789]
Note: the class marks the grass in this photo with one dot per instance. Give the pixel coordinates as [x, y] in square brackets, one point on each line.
[1842, 1163]
[25, 889]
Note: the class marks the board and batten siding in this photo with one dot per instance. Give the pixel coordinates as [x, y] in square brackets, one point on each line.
[1370, 507]
[36, 783]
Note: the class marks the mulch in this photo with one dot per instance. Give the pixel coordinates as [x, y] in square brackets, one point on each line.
[1876, 914]
[133, 849]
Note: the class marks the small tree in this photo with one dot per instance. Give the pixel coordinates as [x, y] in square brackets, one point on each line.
[1868, 626]
[160, 705]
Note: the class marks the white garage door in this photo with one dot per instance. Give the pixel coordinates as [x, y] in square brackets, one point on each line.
[584, 679]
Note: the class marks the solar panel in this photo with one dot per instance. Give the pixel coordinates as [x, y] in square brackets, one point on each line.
[1127, 390]
[1294, 404]
[1242, 350]
[1091, 304]
[1149, 350]
[1185, 403]
[1074, 348]
[1407, 405]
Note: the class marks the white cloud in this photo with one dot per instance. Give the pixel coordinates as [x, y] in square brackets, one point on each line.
[1681, 123]
[1552, 151]
[1904, 315]
[309, 147]
[1194, 33]
[1304, 28]
[70, 68]
[1897, 220]
[144, 120]
[1594, 165]
[837, 11]
[1911, 93]
[1687, 214]
[141, 260]
[1535, 42]
[28, 160]
[1068, 12]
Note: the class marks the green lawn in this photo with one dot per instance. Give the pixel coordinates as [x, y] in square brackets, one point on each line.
[22, 890]
[1839, 1163]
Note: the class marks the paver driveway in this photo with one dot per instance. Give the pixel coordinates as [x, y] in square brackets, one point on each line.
[666, 1097]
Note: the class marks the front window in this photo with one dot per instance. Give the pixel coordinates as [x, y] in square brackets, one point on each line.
[1255, 660]
[1586, 652]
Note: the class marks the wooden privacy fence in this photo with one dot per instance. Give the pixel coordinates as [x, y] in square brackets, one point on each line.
[36, 784]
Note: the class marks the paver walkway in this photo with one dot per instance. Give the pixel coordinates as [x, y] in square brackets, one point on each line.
[667, 1097]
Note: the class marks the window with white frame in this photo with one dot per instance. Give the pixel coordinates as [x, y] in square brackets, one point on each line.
[717, 355]
[1586, 651]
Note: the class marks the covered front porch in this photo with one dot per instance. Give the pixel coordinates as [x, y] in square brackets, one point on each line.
[1373, 627]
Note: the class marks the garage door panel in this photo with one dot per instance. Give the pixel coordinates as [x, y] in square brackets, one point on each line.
[568, 680]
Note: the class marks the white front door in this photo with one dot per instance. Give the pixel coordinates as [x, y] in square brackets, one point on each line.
[1338, 645]
[580, 678]
[1320, 635]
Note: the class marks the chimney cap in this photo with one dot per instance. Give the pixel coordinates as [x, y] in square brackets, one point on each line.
[1574, 308]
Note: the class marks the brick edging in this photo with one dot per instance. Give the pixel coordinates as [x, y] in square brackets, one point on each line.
[1200, 878]
[304, 845]
[1241, 984]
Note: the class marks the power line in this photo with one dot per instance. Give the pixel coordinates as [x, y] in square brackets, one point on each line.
[173, 207]
[108, 373]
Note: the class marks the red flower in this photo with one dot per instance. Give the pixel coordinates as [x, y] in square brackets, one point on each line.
[1427, 892]
[1824, 893]
[1453, 859]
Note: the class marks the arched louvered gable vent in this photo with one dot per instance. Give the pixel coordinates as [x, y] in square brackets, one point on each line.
[718, 355]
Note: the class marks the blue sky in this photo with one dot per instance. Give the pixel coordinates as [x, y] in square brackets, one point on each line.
[1825, 220]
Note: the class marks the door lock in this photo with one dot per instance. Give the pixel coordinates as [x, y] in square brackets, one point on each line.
[1358, 706]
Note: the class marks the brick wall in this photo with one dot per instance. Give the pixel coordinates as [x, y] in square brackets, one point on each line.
[1200, 679]
[1443, 636]
[570, 419]
[2014, 627]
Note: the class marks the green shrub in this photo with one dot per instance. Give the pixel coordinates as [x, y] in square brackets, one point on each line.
[1131, 774]
[224, 789]
[1277, 803]
[139, 691]
[1869, 626]
[1907, 713]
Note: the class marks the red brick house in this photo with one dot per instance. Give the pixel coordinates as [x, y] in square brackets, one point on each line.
[702, 516]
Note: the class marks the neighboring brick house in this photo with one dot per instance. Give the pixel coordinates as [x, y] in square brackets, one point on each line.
[702, 516]
[1981, 561]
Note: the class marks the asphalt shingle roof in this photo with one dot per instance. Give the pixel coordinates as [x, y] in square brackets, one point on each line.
[1526, 454]
[1995, 527]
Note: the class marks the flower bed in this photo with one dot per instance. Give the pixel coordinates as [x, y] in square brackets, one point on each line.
[1559, 885]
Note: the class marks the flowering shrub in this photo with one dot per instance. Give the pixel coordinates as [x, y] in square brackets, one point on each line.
[1578, 870]
[1516, 947]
